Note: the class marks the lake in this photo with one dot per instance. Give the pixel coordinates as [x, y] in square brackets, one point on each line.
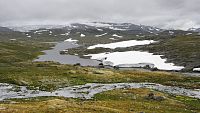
[54, 55]
[117, 58]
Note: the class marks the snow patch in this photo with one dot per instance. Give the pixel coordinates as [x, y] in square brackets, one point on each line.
[115, 35]
[171, 32]
[65, 34]
[122, 44]
[99, 29]
[96, 24]
[136, 57]
[13, 39]
[196, 69]
[112, 39]
[82, 35]
[101, 35]
[188, 34]
[70, 40]
[40, 31]
[117, 29]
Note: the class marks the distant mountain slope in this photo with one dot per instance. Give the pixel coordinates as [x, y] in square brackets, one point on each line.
[7, 33]
[90, 30]
[125, 27]
[5, 29]
[27, 28]
[99, 26]
[194, 29]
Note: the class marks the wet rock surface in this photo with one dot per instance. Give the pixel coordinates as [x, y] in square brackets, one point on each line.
[88, 91]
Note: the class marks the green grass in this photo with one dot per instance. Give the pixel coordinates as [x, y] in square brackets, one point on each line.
[182, 50]
[20, 51]
[17, 68]
[50, 76]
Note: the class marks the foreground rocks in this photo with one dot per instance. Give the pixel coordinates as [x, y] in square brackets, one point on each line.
[88, 91]
[151, 96]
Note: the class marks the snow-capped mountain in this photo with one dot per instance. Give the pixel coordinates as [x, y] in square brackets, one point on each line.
[100, 26]
[27, 28]
[123, 27]
[194, 29]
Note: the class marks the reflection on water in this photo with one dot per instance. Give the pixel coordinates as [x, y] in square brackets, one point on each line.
[54, 55]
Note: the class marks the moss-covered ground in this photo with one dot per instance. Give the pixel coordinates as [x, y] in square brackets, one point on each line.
[17, 67]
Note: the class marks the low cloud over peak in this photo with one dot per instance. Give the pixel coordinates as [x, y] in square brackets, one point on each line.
[178, 14]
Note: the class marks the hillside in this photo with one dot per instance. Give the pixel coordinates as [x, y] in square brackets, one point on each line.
[20, 75]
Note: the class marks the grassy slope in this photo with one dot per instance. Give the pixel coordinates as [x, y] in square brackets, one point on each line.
[182, 50]
[15, 52]
[17, 68]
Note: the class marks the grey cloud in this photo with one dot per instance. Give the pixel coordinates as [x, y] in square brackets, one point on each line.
[162, 13]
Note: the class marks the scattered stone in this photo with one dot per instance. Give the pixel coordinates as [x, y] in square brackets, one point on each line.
[22, 82]
[98, 72]
[13, 39]
[151, 96]
[101, 65]
[77, 64]
[72, 72]
[88, 90]
[2, 108]
[13, 102]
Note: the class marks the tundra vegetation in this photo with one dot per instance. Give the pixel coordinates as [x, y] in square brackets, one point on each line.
[17, 67]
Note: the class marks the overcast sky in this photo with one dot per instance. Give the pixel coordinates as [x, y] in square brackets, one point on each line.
[180, 14]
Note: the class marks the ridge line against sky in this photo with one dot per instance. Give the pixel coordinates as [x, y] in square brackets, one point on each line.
[177, 14]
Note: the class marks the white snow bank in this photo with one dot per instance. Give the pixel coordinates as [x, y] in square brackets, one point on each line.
[82, 35]
[101, 35]
[136, 57]
[196, 69]
[70, 40]
[122, 44]
[115, 35]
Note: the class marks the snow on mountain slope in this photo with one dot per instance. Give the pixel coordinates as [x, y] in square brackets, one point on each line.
[99, 26]
[28, 28]
[194, 29]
